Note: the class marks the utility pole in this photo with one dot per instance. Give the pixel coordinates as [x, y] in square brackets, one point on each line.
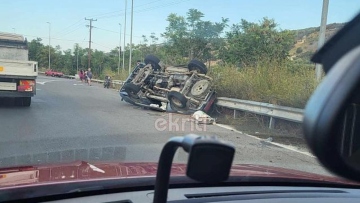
[90, 28]
[49, 43]
[318, 67]
[119, 50]
[123, 63]
[77, 60]
[131, 31]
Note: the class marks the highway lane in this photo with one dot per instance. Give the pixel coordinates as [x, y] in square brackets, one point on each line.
[69, 121]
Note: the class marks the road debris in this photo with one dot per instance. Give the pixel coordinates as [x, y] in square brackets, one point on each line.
[202, 118]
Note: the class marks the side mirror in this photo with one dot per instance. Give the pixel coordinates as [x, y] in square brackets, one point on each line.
[332, 115]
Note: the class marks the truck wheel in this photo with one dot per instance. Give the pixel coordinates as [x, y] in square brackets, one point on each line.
[177, 101]
[200, 88]
[198, 66]
[52, 75]
[132, 90]
[26, 101]
[153, 60]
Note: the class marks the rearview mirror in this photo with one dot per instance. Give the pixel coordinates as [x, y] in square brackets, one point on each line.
[209, 161]
[332, 115]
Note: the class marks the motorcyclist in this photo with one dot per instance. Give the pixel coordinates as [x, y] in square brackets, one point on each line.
[107, 81]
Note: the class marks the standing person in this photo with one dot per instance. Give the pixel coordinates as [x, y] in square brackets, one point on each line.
[85, 76]
[89, 76]
[81, 75]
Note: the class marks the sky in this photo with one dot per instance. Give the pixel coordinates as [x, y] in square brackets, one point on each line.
[68, 25]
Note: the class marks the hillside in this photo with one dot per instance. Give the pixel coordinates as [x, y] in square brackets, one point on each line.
[307, 39]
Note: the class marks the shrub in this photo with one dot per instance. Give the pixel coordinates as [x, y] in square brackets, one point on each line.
[272, 83]
[123, 74]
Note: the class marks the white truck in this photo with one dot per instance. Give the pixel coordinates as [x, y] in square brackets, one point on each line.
[17, 74]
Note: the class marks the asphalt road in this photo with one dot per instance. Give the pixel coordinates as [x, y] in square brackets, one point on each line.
[69, 121]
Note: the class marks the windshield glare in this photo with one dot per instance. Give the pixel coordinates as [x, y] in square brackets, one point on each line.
[109, 83]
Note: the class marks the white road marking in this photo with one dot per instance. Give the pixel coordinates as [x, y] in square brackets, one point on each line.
[43, 82]
[79, 84]
[274, 143]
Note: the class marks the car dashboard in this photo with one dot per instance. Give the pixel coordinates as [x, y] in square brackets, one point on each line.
[231, 194]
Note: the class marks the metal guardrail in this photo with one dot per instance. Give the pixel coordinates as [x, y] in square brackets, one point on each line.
[273, 111]
[114, 82]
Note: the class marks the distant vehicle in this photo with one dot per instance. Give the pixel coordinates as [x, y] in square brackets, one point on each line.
[53, 73]
[107, 82]
[17, 74]
[186, 88]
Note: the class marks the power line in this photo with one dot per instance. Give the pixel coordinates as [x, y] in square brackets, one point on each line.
[73, 30]
[165, 5]
[68, 27]
[115, 32]
[146, 9]
[104, 46]
[106, 30]
[118, 11]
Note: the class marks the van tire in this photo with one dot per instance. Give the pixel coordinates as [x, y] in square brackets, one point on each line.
[198, 66]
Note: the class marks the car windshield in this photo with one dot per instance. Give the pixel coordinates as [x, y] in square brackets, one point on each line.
[107, 83]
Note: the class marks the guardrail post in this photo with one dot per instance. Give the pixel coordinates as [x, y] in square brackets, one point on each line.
[235, 114]
[272, 123]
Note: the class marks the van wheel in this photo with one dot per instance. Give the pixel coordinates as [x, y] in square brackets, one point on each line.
[197, 66]
[132, 90]
[178, 102]
[153, 60]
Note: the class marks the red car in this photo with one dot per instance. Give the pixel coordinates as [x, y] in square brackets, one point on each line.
[53, 73]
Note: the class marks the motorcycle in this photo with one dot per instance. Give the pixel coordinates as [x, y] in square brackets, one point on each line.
[107, 82]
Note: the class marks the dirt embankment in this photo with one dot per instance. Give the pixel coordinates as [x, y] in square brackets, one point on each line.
[285, 132]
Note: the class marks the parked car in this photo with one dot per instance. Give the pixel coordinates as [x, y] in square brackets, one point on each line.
[53, 73]
[181, 88]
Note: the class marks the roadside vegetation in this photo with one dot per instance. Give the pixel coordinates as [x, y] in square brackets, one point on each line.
[269, 83]
[248, 60]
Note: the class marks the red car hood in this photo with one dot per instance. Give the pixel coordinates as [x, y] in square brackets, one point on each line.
[83, 171]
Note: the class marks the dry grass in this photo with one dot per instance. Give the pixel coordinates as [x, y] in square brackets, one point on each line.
[270, 83]
[123, 74]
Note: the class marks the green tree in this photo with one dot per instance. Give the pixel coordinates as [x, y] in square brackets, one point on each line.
[191, 36]
[68, 62]
[35, 47]
[250, 43]
[80, 56]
